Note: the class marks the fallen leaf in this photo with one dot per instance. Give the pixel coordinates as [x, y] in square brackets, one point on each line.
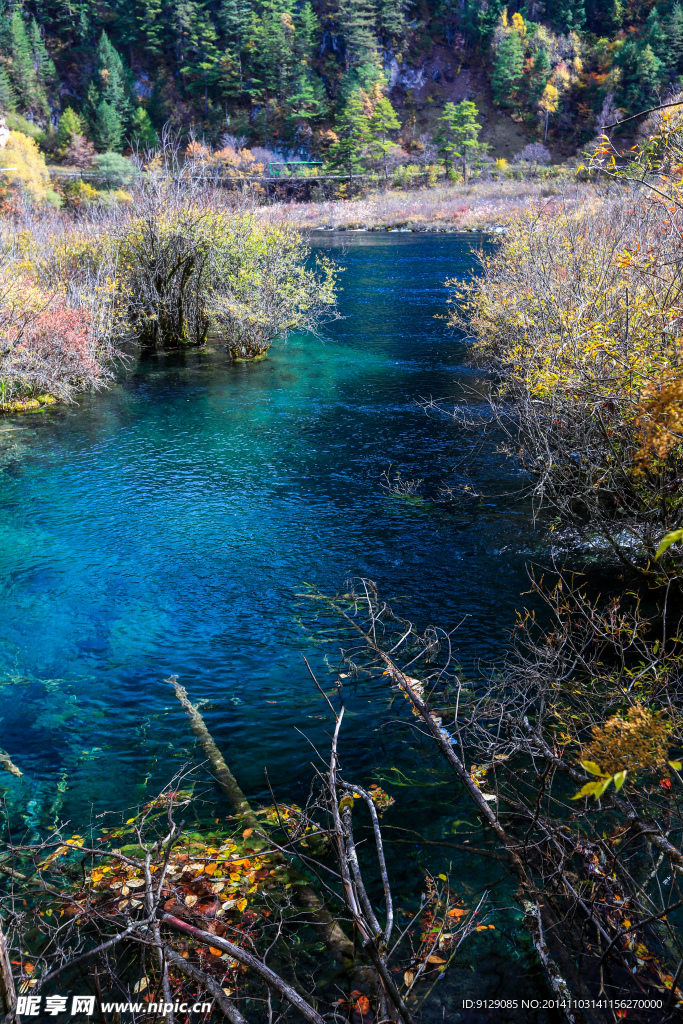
[141, 985]
[210, 868]
[247, 832]
[190, 900]
[363, 1004]
[456, 912]
[125, 891]
[409, 978]
[435, 960]
[241, 905]
[216, 952]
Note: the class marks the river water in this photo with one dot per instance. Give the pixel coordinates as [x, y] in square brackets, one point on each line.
[168, 525]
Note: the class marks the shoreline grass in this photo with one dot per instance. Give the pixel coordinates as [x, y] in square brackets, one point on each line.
[483, 206]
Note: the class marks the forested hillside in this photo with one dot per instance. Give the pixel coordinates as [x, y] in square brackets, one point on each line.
[279, 72]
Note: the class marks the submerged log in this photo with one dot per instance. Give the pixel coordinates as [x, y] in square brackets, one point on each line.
[317, 915]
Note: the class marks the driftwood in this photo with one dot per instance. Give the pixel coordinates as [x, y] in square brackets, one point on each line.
[318, 916]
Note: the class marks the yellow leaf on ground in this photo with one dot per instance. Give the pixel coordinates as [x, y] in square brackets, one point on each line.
[409, 978]
[241, 905]
[435, 960]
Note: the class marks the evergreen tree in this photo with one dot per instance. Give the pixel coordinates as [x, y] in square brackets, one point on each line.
[235, 19]
[23, 73]
[8, 101]
[150, 24]
[642, 74]
[112, 80]
[142, 131]
[356, 19]
[480, 17]
[673, 27]
[196, 47]
[107, 130]
[391, 20]
[604, 17]
[382, 121]
[508, 67]
[540, 71]
[458, 136]
[566, 15]
[352, 131]
[655, 36]
[42, 62]
[70, 125]
[307, 100]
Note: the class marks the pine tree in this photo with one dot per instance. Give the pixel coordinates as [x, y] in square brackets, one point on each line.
[540, 71]
[356, 19]
[655, 35]
[479, 19]
[235, 20]
[149, 20]
[307, 100]
[107, 130]
[604, 17]
[8, 101]
[352, 131]
[112, 80]
[70, 125]
[566, 15]
[642, 74]
[382, 121]
[23, 73]
[42, 62]
[142, 131]
[458, 136]
[508, 67]
[391, 20]
[673, 27]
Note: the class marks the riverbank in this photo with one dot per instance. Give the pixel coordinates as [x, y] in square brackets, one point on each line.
[483, 206]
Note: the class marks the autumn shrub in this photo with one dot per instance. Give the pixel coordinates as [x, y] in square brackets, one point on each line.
[26, 171]
[48, 347]
[580, 314]
[263, 286]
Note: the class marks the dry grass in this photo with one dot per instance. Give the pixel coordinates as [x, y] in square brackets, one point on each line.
[478, 207]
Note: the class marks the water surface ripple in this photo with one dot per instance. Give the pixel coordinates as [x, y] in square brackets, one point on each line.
[167, 525]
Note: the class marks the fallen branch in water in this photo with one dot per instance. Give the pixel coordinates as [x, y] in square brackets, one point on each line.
[271, 979]
[319, 917]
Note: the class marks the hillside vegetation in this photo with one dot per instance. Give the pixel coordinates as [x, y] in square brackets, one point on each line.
[83, 78]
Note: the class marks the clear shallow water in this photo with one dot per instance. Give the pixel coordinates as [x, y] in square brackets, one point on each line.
[167, 526]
